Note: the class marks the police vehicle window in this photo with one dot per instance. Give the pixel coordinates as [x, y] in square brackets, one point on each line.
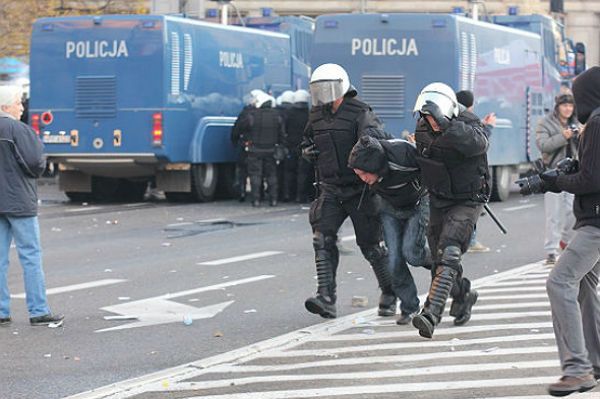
[549, 47]
[561, 54]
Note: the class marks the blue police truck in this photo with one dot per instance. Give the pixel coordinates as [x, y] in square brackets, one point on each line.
[122, 100]
[513, 72]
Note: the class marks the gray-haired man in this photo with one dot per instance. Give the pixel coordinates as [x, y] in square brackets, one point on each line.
[23, 162]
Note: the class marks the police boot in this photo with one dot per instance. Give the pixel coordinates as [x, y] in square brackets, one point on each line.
[326, 259]
[462, 302]
[431, 315]
[377, 257]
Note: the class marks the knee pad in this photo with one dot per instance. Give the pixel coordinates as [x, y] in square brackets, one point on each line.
[451, 256]
[322, 241]
[374, 254]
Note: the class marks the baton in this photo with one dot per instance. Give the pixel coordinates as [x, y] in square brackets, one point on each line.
[495, 219]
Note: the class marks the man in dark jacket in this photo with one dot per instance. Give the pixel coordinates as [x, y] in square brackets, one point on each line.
[451, 147]
[237, 138]
[336, 121]
[573, 282]
[265, 131]
[22, 158]
[389, 167]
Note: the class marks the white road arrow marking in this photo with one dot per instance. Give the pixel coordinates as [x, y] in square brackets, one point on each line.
[161, 310]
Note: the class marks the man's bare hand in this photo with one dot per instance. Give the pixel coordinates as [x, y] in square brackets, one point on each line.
[490, 119]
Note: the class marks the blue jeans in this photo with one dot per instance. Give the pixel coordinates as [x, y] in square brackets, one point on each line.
[405, 238]
[26, 233]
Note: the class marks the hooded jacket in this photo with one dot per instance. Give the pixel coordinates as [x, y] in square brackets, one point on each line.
[394, 161]
[21, 163]
[585, 183]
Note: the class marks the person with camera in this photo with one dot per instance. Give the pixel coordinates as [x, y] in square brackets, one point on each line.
[557, 139]
[336, 122]
[451, 152]
[573, 282]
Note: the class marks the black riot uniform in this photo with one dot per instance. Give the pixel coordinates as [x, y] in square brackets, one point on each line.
[454, 169]
[238, 137]
[298, 173]
[342, 194]
[265, 131]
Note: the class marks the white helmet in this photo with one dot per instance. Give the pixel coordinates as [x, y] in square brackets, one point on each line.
[328, 83]
[250, 98]
[262, 98]
[442, 95]
[287, 97]
[301, 96]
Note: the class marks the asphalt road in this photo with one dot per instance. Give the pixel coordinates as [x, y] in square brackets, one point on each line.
[239, 274]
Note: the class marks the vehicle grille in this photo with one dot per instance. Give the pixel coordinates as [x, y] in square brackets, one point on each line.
[96, 97]
[385, 94]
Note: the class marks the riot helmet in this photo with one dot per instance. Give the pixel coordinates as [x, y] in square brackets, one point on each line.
[262, 98]
[287, 97]
[441, 95]
[328, 83]
[301, 96]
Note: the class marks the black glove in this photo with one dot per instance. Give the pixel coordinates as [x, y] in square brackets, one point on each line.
[310, 153]
[549, 180]
[431, 108]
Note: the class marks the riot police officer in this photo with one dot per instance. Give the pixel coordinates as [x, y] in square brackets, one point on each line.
[451, 151]
[297, 171]
[238, 138]
[337, 120]
[265, 132]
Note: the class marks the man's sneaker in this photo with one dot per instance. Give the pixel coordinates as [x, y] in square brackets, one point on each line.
[405, 318]
[550, 259]
[46, 319]
[424, 324]
[322, 306]
[5, 321]
[570, 384]
[478, 248]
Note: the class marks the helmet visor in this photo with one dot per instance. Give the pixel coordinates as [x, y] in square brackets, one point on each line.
[326, 91]
[448, 107]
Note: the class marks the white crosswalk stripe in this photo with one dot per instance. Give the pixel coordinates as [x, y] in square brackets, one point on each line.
[507, 351]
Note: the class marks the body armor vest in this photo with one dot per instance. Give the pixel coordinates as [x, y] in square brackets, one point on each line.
[266, 125]
[446, 172]
[334, 136]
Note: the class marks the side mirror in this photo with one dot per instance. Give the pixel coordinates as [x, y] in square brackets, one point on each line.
[579, 58]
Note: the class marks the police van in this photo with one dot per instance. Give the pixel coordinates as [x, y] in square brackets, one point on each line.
[122, 100]
[512, 72]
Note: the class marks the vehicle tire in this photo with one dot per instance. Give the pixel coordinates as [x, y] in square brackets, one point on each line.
[227, 185]
[501, 182]
[204, 181]
[104, 189]
[75, 196]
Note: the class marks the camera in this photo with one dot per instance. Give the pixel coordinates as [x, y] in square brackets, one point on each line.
[575, 129]
[535, 184]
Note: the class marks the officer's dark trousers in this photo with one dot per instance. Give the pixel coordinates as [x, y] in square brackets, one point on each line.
[450, 229]
[242, 169]
[262, 166]
[297, 173]
[327, 213]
